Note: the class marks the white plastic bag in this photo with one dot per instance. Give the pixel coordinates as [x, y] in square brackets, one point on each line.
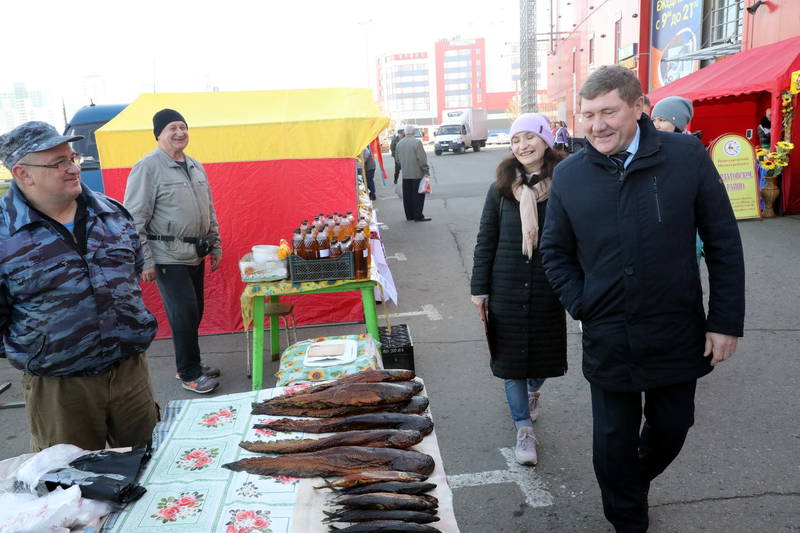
[425, 185]
[52, 458]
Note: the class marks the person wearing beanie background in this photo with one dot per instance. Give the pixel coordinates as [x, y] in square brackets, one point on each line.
[170, 199]
[525, 322]
[672, 114]
[71, 311]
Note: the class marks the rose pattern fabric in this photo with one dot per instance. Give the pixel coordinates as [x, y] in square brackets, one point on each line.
[219, 418]
[197, 458]
[172, 509]
[248, 521]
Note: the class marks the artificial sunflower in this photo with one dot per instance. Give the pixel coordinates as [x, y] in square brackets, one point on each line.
[786, 99]
[768, 164]
[773, 155]
[785, 145]
[782, 163]
[761, 152]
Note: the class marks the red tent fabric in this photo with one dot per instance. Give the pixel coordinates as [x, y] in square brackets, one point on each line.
[730, 97]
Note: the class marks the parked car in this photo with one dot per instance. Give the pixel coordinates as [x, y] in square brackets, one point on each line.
[461, 129]
[498, 137]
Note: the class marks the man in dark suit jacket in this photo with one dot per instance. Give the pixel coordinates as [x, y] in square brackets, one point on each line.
[618, 247]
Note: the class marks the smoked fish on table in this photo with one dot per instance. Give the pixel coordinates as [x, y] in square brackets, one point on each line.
[416, 405]
[417, 487]
[374, 438]
[385, 526]
[365, 376]
[337, 461]
[420, 423]
[351, 394]
[388, 501]
[376, 476]
[364, 515]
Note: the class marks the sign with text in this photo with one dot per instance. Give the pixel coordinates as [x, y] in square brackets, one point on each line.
[735, 160]
[675, 31]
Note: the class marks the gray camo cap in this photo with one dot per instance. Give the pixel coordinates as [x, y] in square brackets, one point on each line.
[30, 137]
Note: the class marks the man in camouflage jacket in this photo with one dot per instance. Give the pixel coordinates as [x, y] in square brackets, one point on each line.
[71, 311]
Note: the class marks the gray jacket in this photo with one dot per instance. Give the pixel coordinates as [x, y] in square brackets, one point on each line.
[413, 160]
[165, 201]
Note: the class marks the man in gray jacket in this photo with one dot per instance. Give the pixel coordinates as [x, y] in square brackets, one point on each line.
[170, 200]
[414, 165]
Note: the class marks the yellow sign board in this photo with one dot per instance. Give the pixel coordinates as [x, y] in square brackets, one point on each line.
[794, 87]
[734, 157]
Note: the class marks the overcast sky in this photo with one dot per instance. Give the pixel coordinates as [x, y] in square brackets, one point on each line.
[230, 44]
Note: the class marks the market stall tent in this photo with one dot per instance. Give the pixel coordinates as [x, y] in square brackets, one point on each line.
[272, 158]
[731, 95]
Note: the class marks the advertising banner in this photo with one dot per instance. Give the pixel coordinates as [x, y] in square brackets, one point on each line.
[675, 31]
[735, 160]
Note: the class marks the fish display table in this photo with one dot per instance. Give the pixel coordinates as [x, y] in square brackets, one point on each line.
[188, 491]
[257, 292]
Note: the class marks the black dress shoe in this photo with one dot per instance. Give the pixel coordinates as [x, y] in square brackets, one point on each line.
[423, 219]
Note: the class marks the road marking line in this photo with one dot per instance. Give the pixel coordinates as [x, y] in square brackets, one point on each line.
[529, 482]
[399, 256]
[382, 225]
[427, 310]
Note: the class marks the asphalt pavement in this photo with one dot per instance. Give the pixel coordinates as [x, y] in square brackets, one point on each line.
[739, 470]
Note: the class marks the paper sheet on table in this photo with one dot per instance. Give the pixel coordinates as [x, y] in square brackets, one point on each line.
[310, 502]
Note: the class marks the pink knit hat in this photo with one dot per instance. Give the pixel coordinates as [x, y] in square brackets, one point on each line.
[535, 123]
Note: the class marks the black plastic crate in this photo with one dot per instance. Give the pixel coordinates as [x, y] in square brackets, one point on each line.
[397, 348]
[321, 269]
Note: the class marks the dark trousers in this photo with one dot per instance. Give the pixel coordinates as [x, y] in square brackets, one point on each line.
[371, 183]
[628, 455]
[396, 169]
[181, 288]
[413, 201]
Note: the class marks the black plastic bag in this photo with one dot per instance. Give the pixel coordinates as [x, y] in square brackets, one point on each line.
[104, 475]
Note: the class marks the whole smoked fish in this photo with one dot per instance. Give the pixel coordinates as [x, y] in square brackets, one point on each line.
[374, 438]
[416, 405]
[337, 461]
[385, 526]
[351, 394]
[391, 486]
[389, 501]
[368, 478]
[365, 376]
[423, 424]
[364, 515]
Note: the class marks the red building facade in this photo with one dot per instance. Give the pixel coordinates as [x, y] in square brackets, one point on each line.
[460, 74]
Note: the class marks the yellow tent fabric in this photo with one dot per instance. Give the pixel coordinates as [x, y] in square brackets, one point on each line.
[249, 125]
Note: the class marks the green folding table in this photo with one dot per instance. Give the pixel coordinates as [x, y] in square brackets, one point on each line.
[259, 291]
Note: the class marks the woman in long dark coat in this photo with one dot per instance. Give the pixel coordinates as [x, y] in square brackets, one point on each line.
[526, 322]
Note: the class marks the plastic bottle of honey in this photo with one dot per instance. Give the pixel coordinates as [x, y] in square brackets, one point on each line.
[297, 241]
[360, 256]
[323, 245]
[309, 247]
[336, 248]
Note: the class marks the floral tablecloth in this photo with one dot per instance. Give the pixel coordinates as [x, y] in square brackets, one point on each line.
[293, 371]
[188, 491]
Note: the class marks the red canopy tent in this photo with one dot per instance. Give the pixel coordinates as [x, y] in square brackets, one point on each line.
[731, 95]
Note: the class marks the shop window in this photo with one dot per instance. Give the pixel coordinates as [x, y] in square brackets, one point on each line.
[726, 21]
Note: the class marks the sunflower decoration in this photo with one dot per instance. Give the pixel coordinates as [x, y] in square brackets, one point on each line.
[774, 162]
[316, 375]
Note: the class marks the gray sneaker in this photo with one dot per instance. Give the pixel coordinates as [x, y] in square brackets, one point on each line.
[535, 404]
[209, 371]
[201, 385]
[525, 452]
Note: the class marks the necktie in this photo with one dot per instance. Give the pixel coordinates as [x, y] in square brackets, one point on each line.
[619, 160]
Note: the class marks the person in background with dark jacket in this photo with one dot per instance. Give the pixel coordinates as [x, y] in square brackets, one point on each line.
[525, 322]
[764, 129]
[393, 148]
[71, 311]
[170, 199]
[618, 248]
[414, 161]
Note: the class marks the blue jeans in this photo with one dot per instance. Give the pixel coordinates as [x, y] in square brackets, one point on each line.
[517, 391]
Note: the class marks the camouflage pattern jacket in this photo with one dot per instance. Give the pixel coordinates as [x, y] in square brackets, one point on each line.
[63, 313]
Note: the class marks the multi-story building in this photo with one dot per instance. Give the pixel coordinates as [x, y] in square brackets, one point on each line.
[19, 105]
[406, 87]
[460, 74]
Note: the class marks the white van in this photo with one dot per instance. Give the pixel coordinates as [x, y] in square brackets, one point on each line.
[461, 129]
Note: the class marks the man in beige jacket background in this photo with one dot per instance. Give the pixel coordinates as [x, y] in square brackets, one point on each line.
[170, 200]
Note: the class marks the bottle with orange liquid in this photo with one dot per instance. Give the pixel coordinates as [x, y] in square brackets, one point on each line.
[360, 256]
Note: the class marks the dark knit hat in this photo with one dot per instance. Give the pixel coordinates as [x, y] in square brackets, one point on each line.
[164, 117]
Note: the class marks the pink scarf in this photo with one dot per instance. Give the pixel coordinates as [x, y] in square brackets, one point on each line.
[528, 198]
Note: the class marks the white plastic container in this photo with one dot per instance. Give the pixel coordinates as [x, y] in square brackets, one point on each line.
[263, 253]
